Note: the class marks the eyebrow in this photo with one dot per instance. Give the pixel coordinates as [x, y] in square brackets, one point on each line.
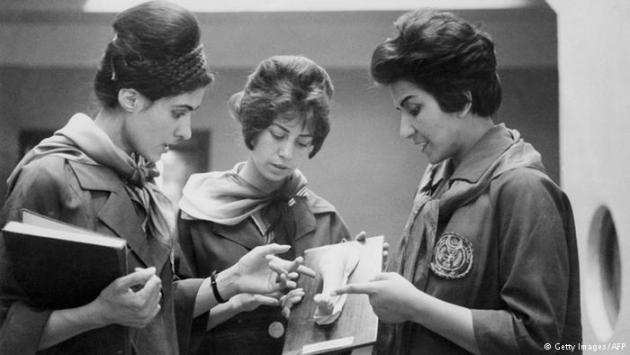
[188, 107]
[287, 130]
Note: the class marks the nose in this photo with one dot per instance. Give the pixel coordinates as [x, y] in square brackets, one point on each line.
[286, 150]
[407, 130]
[183, 131]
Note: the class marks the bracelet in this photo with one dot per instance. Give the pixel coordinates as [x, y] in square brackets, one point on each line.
[215, 289]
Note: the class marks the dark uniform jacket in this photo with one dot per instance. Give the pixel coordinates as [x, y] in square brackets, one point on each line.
[495, 235]
[210, 246]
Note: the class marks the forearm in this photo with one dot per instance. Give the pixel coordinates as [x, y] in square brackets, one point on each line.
[227, 286]
[67, 323]
[221, 313]
[451, 321]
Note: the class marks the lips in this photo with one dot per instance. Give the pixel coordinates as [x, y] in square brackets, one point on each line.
[279, 166]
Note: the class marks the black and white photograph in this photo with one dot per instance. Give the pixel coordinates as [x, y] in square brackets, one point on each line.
[295, 177]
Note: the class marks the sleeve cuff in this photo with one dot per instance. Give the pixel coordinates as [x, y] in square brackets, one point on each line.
[494, 332]
[185, 294]
[22, 330]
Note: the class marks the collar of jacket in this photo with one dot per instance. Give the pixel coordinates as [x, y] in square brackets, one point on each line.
[119, 214]
[489, 147]
[247, 234]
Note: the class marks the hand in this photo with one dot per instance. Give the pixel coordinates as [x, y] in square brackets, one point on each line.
[119, 304]
[392, 296]
[290, 299]
[245, 302]
[260, 271]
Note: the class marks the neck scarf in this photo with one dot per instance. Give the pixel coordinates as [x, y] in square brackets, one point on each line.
[415, 250]
[224, 197]
[82, 140]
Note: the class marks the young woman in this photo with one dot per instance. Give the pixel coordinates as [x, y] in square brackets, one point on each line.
[98, 174]
[284, 113]
[487, 263]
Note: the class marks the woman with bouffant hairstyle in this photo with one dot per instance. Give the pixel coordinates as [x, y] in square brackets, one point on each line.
[284, 112]
[487, 262]
[97, 173]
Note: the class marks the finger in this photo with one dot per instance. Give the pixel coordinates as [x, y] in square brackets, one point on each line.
[272, 249]
[138, 277]
[267, 301]
[157, 310]
[155, 297]
[151, 289]
[290, 301]
[296, 291]
[289, 284]
[286, 312]
[293, 275]
[385, 246]
[277, 268]
[357, 288]
[305, 270]
[361, 237]
[295, 264]
[287, 265]
[286, 282]
[292, 296]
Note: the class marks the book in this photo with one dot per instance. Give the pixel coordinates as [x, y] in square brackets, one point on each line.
[59, 265]
[304, 336]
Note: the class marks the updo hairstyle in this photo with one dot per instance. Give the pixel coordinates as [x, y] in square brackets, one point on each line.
[156, 50]
[285, 87]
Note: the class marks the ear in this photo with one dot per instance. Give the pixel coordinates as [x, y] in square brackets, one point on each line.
[466, 109]
[130, 100]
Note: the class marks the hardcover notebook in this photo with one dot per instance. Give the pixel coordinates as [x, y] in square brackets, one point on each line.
[60, 265]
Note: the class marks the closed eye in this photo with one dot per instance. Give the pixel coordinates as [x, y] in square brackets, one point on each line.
[179, 113]
[277, 135]
[413, 109]
[304, 143]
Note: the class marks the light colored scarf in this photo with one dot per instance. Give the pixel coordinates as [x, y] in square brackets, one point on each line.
[224, 197]
[82, 140]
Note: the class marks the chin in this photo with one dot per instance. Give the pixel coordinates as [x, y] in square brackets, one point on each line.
[151, 158]
[275, 178]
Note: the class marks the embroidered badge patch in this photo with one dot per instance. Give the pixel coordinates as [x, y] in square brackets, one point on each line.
[452, 256]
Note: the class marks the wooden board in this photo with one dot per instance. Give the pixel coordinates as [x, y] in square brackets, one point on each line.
[356, 326]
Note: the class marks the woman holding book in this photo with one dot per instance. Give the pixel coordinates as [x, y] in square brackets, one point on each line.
[284, 114]
[98, 174]
[487, 262]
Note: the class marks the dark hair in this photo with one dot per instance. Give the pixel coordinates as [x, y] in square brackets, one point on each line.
[156, 50]
[445, 56]
[288, 87]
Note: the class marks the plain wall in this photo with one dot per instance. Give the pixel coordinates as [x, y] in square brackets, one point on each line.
[593, 55]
